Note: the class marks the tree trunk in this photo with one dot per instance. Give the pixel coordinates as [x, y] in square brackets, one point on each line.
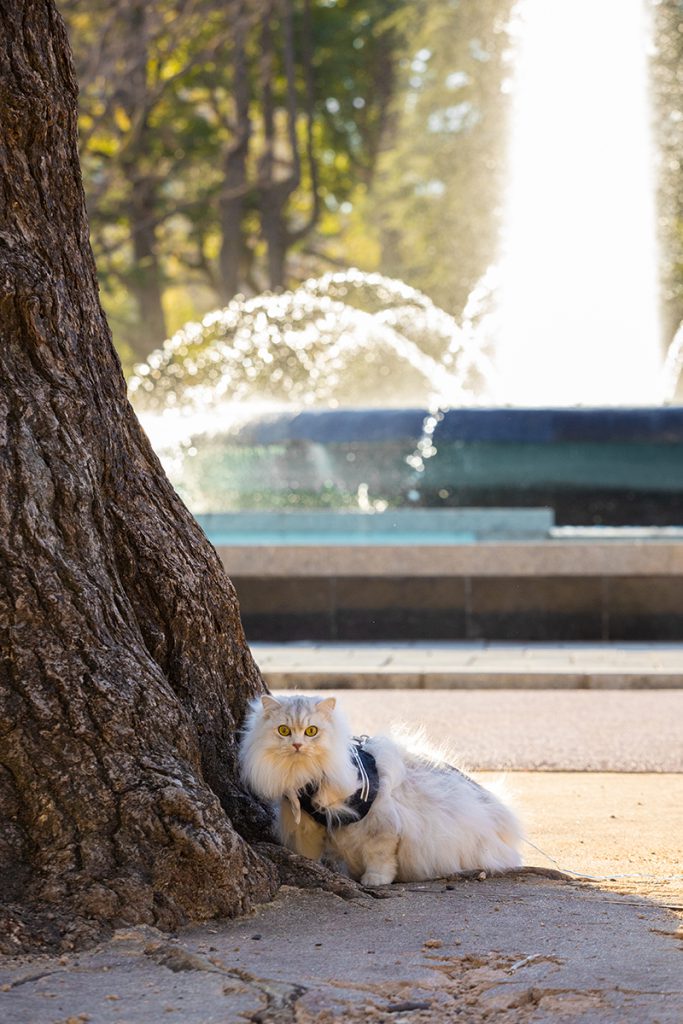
[274, 230]
[232, 203]
[144, 277]
[124, 673]
[276, 187]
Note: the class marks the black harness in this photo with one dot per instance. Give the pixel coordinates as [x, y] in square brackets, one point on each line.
[360, 802]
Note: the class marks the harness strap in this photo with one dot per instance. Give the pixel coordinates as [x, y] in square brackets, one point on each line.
[359, 802]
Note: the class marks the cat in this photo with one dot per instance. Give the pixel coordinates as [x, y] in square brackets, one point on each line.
[373, 807]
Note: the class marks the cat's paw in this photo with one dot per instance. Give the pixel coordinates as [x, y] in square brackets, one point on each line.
[375, 877]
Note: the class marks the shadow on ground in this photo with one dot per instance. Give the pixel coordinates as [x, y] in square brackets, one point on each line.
[520, 948]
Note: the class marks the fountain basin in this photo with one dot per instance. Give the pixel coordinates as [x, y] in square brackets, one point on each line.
[394, 527]
[552, 590]
[439, 573]
[592, 467]
[279, 497]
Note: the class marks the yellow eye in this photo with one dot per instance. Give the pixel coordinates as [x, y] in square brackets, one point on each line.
[311, 731]
[284, 730]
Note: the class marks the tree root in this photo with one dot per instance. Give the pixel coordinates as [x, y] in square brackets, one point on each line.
[33, 929]
[25, 928]
[303, 873]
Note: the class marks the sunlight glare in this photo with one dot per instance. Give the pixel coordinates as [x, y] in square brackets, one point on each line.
[579, 302]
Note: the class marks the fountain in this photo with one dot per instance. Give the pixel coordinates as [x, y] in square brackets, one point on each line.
[381, 421]
[343, 352]
[382, 408]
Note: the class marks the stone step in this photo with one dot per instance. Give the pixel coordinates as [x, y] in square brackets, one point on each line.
[462, 665]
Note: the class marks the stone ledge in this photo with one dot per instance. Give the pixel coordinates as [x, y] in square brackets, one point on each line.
[545, 558]
[353, 679]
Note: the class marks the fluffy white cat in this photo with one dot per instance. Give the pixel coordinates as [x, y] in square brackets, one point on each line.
[385, 812]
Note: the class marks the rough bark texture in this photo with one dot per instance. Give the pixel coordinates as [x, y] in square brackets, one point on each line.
[124, 671]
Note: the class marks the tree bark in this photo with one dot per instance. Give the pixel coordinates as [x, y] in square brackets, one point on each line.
[124, 671]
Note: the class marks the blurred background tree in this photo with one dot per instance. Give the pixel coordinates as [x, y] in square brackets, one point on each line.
[439, 182]
[667, 66]
[219, 143]
[245, 145]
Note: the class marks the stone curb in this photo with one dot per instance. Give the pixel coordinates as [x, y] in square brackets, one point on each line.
[302, 678]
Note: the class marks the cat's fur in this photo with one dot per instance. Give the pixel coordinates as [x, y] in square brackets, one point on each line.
[428, 819]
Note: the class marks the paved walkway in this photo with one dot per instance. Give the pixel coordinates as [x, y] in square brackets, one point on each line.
[518, 949]
[442, 665]
[523, 949]
[533, 730]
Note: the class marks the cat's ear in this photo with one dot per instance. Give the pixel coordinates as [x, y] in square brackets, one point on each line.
[327, 706]
[269, 703]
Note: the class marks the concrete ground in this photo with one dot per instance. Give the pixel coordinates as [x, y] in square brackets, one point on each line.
[508, 950]
[470, 665]
[535, 730]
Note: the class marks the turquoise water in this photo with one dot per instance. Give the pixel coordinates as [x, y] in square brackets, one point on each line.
[395, 527]
[338, 539]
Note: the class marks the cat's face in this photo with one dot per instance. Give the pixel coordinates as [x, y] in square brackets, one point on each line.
[290, 741]
[298, 727]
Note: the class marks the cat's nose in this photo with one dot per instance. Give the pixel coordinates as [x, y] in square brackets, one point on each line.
[297, 746]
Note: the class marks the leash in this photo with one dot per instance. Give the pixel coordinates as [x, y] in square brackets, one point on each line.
[601, 878]
[362, 800]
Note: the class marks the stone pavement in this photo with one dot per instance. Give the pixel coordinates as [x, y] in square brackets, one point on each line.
[526, 947]
[507, 950]
[533, 730]
[471, 665]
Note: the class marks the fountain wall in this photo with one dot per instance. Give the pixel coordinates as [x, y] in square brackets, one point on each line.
[555, 590]
[592, 467]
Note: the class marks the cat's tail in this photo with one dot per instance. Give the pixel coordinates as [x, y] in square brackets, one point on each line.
[507, 827]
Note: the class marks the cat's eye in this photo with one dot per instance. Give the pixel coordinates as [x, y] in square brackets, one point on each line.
[311, 731]
[284, 730]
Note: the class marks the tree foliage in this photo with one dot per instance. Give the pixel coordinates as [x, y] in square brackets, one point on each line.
[242, 147]
[217, 137]
[667, 77]
[247, 145]
[440, 176]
